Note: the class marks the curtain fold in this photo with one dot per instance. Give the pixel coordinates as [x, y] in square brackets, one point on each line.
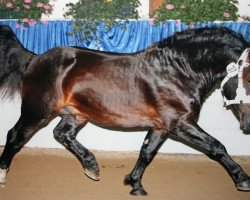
[135, 37]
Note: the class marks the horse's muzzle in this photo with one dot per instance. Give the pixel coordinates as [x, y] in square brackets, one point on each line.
[246, 132]
[245, 124]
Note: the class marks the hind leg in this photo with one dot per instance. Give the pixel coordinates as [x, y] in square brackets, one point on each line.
[153, 141]
[17, 137]
[65, 133]
[199, 139]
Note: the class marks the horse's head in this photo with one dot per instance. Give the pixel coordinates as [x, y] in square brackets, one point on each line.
[236, 93]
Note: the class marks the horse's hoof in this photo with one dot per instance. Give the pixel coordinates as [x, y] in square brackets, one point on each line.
[138, 192]
[92, 175]
[244, 186]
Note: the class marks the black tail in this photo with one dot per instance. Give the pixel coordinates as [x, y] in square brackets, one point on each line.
[14, 60]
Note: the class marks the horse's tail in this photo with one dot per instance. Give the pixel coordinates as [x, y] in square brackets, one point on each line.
[11, 77]
[14, 60]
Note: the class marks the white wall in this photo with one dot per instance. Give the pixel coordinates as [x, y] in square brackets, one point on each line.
[244, 7]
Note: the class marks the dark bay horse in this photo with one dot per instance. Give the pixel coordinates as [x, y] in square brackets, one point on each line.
[160, 89]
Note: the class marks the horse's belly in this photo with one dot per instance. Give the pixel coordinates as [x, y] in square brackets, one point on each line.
[126, 121]
[117, 114]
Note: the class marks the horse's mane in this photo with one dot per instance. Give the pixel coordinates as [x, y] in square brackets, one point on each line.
[202, 48]
[218, 35]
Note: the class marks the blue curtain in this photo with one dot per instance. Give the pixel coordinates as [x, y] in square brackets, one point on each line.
[136, 36]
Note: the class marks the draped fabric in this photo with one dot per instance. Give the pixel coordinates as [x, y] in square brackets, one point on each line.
[135, 37]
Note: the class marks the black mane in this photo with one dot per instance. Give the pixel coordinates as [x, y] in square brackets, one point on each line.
[203, 35]
[196, 43]
[204, 46]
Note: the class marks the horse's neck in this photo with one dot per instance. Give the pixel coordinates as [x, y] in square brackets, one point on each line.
[204, 68]
[212, 66]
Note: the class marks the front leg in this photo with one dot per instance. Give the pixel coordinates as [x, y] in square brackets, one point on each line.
[153, 141]
[192, 134]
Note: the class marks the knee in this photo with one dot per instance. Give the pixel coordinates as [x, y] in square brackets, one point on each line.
[58, 135]
[146, 156]
[65, 129]
[15, 140]
[13, 137]
[218, 150]
[64, 133]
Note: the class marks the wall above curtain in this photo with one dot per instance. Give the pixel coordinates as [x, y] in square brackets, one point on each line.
[137, 36]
